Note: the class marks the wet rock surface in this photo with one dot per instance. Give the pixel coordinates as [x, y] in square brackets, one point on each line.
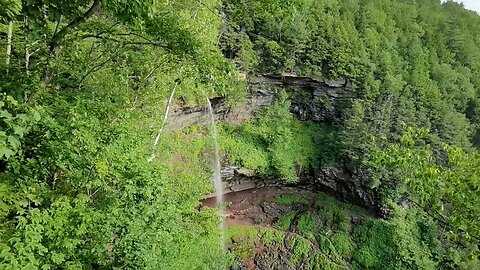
[254, 206]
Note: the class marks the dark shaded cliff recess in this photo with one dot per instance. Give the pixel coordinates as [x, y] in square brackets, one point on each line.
[334, 180]
[347, 187]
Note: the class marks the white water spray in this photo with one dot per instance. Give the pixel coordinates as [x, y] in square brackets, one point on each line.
[217, 179]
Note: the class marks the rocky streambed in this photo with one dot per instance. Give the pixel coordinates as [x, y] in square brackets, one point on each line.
[255, 206]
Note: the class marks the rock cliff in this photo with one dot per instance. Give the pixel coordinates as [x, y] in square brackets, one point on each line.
[311, 99]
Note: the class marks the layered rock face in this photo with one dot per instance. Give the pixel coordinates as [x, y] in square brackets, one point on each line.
[337, 181]
[347, 186]
[311, 99]
[316, 100]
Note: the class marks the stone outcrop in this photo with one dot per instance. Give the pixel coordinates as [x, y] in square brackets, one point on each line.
[317, 100]
[311, 99]
[237, 179]
[337, 181]
[349, 187]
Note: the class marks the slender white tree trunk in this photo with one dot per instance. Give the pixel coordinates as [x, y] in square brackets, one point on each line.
[9, 43]
[165, 117]
[27, 60]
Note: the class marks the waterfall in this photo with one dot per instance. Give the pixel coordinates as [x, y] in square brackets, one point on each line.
[217, 179]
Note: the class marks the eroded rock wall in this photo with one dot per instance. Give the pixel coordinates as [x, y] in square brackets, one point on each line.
[311, 100]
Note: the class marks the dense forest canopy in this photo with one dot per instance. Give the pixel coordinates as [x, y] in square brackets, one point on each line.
[414, 64]
[83, 88]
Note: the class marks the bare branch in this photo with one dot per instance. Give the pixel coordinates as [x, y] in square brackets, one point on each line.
[28, 54]
[98, 66]
[129, 42]
[57, 24]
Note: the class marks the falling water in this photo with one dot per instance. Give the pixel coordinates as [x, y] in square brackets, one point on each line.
[217, 179]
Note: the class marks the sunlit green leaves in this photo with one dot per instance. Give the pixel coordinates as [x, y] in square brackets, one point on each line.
[442, 182]
[10, 8]
[14, 122]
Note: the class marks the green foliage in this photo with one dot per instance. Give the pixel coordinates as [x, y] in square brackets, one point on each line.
[301, 252]
[273, 143]
[246, 57]
[10, 8]
[287, 35]
[372, 239]
[15, 120]
[243, 241]
[301, 249]
[284, 222]
[272, 237]
[307, 225]
[343, 244]
[439, 177]
[84, 94]
[410, 238]
[331, 234]
[322, 221]
[130, 207]
[291, 199]
[410, 63]
[77, 128]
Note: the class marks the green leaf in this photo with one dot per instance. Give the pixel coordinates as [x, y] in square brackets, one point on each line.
[14, 142]
[12, 100]
[29, 267]
[6, 115]
[19, 130]
[58, 258]
[36, 116]
[5, 151]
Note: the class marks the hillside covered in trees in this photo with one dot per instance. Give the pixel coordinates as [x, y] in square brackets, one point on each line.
[106, 156]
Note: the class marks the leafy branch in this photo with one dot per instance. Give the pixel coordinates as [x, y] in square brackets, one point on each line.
[57, 37]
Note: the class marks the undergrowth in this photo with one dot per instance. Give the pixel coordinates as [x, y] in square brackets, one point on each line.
[274, 142]
[291, 199]
[323, 233]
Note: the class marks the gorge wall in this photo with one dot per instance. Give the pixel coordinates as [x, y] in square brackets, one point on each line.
[311, 99]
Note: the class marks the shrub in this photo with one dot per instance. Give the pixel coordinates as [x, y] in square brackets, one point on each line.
[343, 244]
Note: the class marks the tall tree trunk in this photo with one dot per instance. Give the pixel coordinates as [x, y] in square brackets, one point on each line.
[9, 43]
[27, 60]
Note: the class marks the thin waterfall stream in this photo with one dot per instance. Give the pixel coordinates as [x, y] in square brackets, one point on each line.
[217, 179]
